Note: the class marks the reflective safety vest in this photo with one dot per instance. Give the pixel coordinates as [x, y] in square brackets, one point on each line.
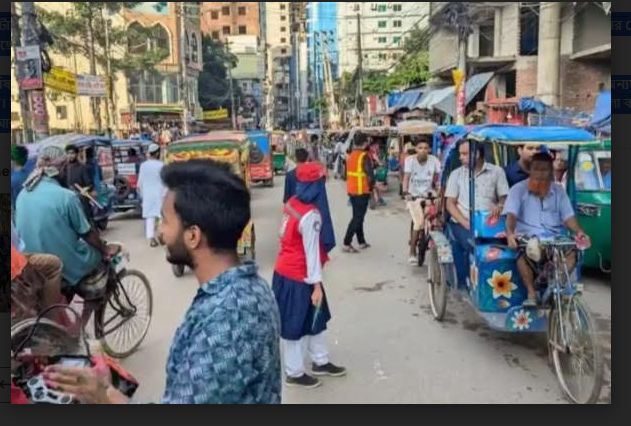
[356, 177]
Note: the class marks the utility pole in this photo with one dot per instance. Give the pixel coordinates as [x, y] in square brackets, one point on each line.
[30, 37]
[96, 102]
[548, 83]
[461, 102]
[233, 110]
[316, 78]
[24, 112]
[111, 114]
[183, 76]
[359, 101]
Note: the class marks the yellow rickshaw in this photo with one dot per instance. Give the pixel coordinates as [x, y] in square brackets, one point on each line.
[230, 147]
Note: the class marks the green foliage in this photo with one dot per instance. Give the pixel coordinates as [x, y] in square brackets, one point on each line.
[213, 83]
[71, 35]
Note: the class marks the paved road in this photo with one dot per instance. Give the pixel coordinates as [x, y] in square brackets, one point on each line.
[381, 329]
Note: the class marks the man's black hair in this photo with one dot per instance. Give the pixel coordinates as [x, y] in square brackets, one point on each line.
[209, 195]
[302, 155]
[542, 157]
[479, 148]
[72, 148]
[422, 140]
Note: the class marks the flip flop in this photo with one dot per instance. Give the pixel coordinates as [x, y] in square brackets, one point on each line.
[349, 249]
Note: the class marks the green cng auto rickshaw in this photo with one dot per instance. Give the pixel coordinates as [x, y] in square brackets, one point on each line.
[593, 191]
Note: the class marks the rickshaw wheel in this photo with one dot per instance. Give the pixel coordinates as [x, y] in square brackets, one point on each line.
[102, 224]
[579, 366]
[178, 270]
[437, 282]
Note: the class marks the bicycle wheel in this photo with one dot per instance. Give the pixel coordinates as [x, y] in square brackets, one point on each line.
[49, 338]
[437, 284]
[123, 320]
[579, 363]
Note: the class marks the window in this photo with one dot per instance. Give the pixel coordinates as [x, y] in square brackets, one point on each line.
[283, 40]
[283, 17]
[381, 24]
[147, 88]
[487, 40]
[214, 14]
[282, 6]
[215, 35]
[356, 7]
[242, 29]
[382, 56]
[283, 29]
[396, 39]
[242, 10]
[283, 51]
[194, 47]
[160, 39]
[396, 24]
[137, 39]
[397, 7]
[382, 40]
[382, 8]
[225, 10]
[62, 112]
[226, 30]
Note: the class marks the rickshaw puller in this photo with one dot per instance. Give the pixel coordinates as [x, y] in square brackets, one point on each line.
[421, 176]
[539, 207]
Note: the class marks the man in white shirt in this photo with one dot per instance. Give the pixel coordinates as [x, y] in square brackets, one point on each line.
[152, 191]
[491, 190]
[421, 175]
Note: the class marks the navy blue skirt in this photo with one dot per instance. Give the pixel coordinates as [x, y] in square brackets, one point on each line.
[296, 309]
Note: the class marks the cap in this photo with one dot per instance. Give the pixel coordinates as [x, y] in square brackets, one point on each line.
[153, 148]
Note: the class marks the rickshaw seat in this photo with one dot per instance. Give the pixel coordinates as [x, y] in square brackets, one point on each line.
[487, 229]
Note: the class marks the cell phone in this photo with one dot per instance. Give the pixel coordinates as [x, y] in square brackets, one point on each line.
[74, 362]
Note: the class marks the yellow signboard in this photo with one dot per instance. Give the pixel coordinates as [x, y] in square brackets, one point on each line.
[60, 79]
[215, 114]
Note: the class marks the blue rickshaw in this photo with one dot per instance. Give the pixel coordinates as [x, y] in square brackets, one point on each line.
[100, 147]
[493, 286]
[128, 154]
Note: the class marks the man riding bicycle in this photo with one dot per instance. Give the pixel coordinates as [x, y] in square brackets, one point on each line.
[421, 176]
[539, 207]
[50, 219]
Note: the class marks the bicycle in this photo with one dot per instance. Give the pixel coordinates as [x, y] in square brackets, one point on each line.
[429, 223]
[574, 352]
[111, 292]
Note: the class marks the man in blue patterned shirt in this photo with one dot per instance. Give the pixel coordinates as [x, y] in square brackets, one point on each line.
[227, 348]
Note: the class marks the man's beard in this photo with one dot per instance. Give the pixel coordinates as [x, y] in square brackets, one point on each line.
[539, 187]
[177, 254]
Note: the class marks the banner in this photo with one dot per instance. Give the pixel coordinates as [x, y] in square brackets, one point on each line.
[61, 80]
[91, 85]
[215, 114]
[29, 67]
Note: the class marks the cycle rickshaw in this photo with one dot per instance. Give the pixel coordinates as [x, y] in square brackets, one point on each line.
[494, 286]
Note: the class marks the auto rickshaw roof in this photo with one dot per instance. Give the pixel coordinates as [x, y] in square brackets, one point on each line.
[130, 143]
[212, 140]
[518, 135]
[416, 127]
[376, 130]
[62, 141]
[453, 129]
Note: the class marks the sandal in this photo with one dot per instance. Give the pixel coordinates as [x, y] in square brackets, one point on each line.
[153, 243]
[364, 246]
[349, 249]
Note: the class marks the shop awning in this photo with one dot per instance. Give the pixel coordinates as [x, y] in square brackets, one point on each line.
[473, 86]
[406, 100]
[432, 97]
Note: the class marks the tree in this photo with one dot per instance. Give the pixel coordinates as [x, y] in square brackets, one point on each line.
[213, 83]
[82, 31]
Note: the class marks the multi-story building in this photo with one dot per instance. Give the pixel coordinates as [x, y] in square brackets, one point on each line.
[147, 96]
[276, 35]
[299, 72]
[321, 41]
[249, 77]
[158, 95]
[505, 40]
[223, 19]
[383, 27]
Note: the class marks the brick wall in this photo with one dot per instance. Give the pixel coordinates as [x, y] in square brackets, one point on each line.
[526, 75]
[580, 80]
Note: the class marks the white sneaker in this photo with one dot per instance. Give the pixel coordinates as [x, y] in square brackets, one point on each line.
[412, 260]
